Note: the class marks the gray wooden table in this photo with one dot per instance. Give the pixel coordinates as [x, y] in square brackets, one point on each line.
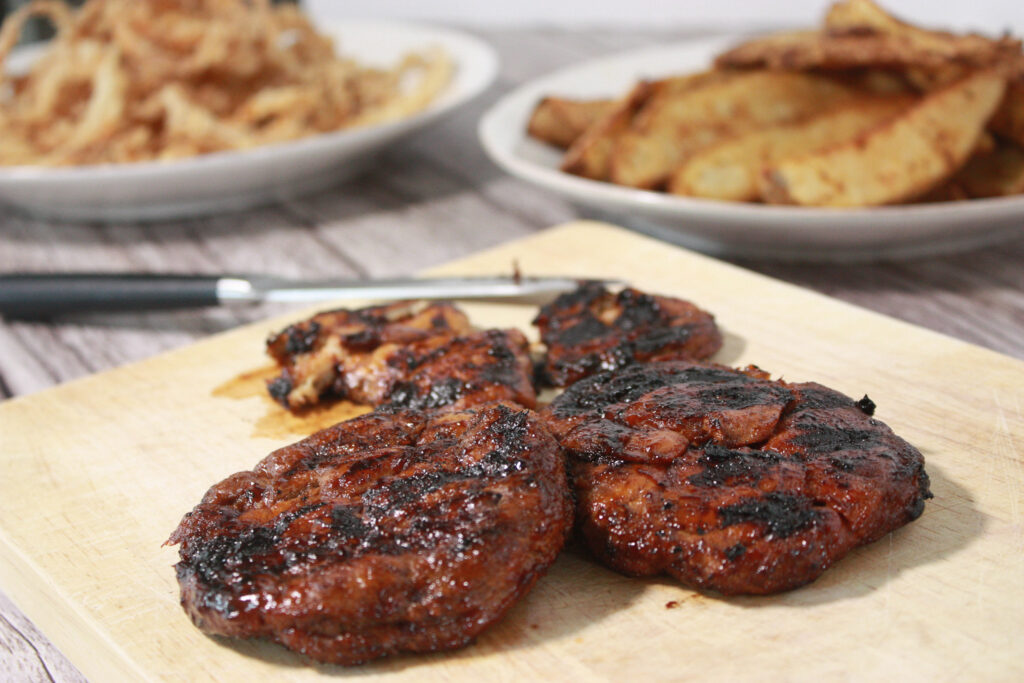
[429, 200]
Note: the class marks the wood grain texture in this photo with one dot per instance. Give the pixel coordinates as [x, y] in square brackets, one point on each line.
[26, 653]
[941, 599]
[433, 198]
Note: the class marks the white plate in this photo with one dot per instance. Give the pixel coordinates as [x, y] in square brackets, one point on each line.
[728, 228]
[226, 181]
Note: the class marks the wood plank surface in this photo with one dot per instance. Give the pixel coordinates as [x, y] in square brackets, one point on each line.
[430, 199]
[120, 456]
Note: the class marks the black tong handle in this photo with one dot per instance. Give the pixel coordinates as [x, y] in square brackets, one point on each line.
[44, 296]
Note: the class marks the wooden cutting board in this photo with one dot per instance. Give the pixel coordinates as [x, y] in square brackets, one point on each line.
[97, 472]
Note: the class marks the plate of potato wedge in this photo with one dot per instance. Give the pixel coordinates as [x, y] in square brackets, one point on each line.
[865, 137]
[153, 110]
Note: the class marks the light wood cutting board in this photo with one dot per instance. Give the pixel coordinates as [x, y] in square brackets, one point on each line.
[96, 473]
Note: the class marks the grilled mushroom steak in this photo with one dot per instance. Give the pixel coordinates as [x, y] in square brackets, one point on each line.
[389, 533]
[727, 480]
[405, 355]
[591, 330]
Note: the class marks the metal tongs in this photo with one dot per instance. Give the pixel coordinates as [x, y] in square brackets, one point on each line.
[47, 295]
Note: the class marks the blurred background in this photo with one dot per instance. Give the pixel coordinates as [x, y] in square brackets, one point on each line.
[991, 16]
[986, 15]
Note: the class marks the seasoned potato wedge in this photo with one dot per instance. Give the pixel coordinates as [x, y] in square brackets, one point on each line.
[861, 17]
[796, 50]
[873, 81]
[899, 160]
[589, 154]
[730, 170]
[864, 110]
[558, 121]
[1008, 120]
[986, 144]
[949, 191]
[1000, 173]
[928, 78]
[674, 125]
[859, 33]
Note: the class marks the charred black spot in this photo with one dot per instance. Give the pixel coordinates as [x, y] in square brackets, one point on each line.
[407, 395]
[279, 388]
[735, 552]
[843, 464]
[605, 388]
[924, 493]
[345, 521]
[663, 340]
[916, 508]
[784, 514]
[586, 329]
[743, 394]
[503, 365]
[579, 298]
[299, 340]
[719, 386]
[498, 348]
[401, 492]
[510, 431]
[226, 552]
[638, 310]
[867, 406]
[823, 438]
[726, 466]
[816, 397]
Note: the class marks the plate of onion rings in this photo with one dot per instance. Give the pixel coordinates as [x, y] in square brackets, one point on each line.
[149, 111]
